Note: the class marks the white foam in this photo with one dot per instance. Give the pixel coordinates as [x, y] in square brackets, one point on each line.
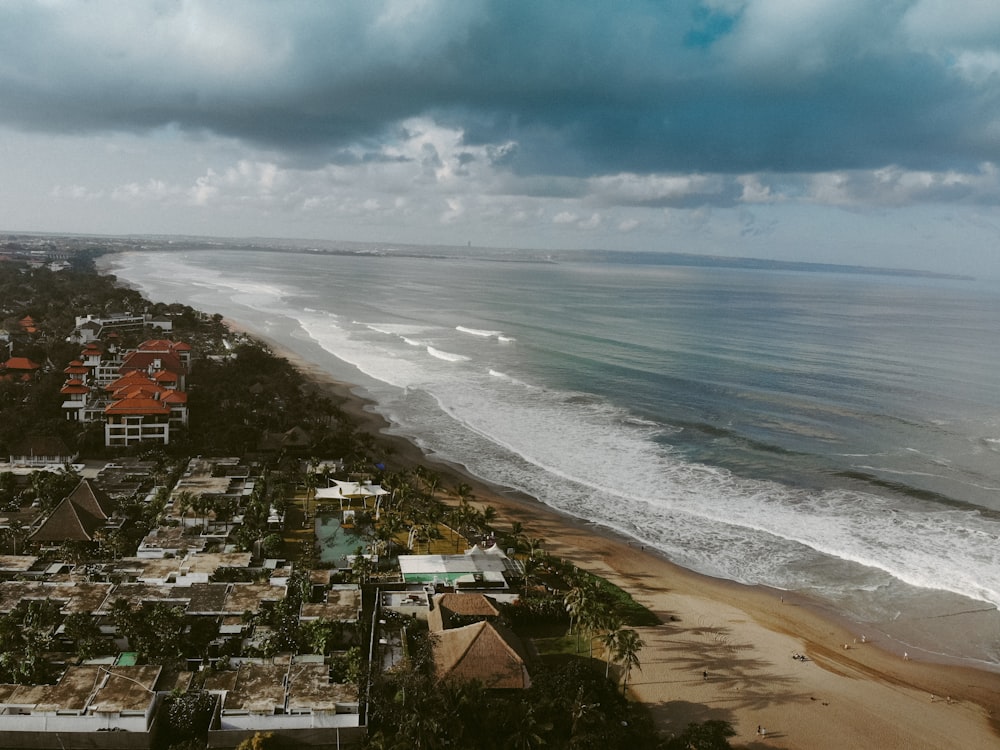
[446, 356]
[586, 457]
[504, 376]
[478, 332]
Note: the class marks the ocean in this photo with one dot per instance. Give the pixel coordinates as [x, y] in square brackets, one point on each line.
[832, 435]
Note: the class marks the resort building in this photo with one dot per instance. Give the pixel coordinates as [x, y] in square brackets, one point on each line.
[85, 515]
[293, 698]
[87, 701]
[477, 569]
[92, 327]
[19, 369]
[41, 450]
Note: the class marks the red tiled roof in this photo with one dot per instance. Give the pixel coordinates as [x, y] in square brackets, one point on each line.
[74, 386]
[145, 360]
[138, 407]
[133, 377]
[163, 376]
[20, 363]
[137, 391]
[174, 397]
[163, 345]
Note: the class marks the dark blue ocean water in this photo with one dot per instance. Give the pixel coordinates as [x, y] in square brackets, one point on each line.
[835, 435]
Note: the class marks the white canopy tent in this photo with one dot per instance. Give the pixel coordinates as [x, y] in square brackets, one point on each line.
[351, 491]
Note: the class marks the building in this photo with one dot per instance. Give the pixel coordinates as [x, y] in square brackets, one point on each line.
[484, 651]
[88, 701]
[147, 399]
[82, 516]
[92, 327]
[41, 450]
[291, 697]
[475, 570]
[19, 369]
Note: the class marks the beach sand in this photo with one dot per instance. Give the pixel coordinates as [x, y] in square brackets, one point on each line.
[845, 694]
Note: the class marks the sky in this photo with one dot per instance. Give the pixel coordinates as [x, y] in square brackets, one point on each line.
[839, 131]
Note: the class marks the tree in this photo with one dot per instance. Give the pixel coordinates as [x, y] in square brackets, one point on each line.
[629, 646]
[155, 632]
[611, 640]
[259, 741]
[310, 481]
[582, 604]
[189, 713]
[319, 636]
[710, 735]
[528, 731]
[271, 546]
[361, 566]
[85, 633]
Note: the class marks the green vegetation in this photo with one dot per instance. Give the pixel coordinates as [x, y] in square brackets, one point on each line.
[570, 705]
[240, 397]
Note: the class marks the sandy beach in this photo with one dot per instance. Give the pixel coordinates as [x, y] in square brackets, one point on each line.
[725, 651]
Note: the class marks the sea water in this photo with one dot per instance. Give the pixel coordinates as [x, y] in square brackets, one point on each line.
[835, 435]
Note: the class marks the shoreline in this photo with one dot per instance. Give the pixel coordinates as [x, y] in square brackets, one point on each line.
[846, 694]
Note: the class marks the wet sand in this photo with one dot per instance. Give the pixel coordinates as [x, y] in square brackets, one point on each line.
[844, 694]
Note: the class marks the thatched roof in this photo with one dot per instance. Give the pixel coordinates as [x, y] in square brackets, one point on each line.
[483, 651]
[92, 498]
[448, 606]
[77, 517]
[67, 523]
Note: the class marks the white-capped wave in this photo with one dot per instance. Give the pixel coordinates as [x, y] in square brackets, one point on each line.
[393, 329]
[588, 458]
[506, 339]
[446, 356]
[478, 332]
[507, 378]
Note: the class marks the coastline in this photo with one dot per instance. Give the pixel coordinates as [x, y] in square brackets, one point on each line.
[864, 695]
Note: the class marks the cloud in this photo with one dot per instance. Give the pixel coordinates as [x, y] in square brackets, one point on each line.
[703, 125]
[644, 88]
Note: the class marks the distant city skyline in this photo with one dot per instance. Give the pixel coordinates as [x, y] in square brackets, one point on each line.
[832, 132]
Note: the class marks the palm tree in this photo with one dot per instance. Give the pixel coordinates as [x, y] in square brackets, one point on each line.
[534, 544]
[579, 601]
[611, 640]
[426, 532]
[463, 492]
[432, 483]
[629, 646]
[309, 480]
[183, 502]
[529, 731]
[487, 518]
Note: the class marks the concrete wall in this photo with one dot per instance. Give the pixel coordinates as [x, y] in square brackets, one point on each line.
[350, 737]
[58, 740]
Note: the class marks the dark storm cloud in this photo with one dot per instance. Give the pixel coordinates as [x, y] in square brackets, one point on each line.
[576, 89]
